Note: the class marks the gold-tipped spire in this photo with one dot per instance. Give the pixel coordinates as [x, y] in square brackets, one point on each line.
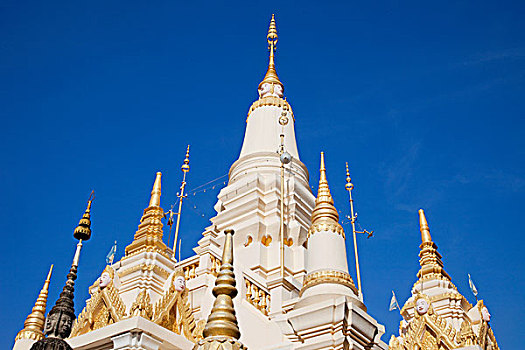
[35, 321]
[271, 74]
[156, 191]
[429, 257]
[221, 330]
[423, 227]
[83, 229]
[149, 233]
[324, 211]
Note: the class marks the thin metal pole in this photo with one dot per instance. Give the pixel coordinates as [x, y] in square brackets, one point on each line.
[282, 220]
[181, 197]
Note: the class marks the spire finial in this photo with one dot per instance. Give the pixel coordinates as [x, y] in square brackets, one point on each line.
[222, 321]
[430, 259]
[186, 166]
[423, 227]
[155, 192]
[271, 74]
[149, 233]
[324, 204]
[83, 230]
[185, 170]
[34, 323]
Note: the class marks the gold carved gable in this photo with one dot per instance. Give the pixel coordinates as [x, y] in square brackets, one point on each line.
[430, 332]
[103, 308]
[173, 312]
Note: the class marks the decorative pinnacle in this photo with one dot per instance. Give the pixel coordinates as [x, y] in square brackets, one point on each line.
[222, 321]
[83, 230]
[429, 257]
[186, 166]
[272, 37]
[324, 204]
[423, 227]
[349, 186]
[64, 306]
[35, 321]
[155, 192]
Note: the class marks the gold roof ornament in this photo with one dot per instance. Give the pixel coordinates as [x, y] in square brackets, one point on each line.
[156, 191]
[430, 259]
[324, 215]
[83, 230]
[221, 331]
[149, 233]
[271, 74]
[35, 321]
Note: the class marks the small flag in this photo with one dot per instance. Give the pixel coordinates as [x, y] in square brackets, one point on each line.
[473, 288]
[111, 254]
[393, 302]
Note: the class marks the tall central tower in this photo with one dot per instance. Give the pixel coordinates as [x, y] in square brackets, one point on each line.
[251, 202]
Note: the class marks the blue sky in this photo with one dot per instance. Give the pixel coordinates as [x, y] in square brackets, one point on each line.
[425, 101]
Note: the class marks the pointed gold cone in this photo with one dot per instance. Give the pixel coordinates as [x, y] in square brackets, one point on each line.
[429, 257]
[83, 229]
[324, 210]
[149, 233]
[271, 74]
[423, 227]
[155, 192]
[221, 330]
[222, 320]
[34, 323]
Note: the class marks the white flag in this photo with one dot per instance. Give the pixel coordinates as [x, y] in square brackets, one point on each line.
[472, 286]
[393, 302]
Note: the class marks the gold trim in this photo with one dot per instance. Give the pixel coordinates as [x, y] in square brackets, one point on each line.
[270, 101]
[145, 267]
[328, 276]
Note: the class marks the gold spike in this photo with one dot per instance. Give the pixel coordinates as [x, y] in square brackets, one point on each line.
[429, 257]
[155, 192]
[272, 37]
[35, 321]
[149, 233]
[222, 321]
[324, 210]
[83, 230]
[423, 227]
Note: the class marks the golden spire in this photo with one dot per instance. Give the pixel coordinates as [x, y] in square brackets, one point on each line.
[155, 192]
[222, 327]
[83, 230]
[149, 233]
[423, 227]
[271, 74]
[429, 257]
[34, 323]
[324, 211]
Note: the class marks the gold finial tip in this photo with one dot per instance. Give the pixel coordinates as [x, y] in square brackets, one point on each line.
[49, 273]
[156, 191]
[423, 227]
